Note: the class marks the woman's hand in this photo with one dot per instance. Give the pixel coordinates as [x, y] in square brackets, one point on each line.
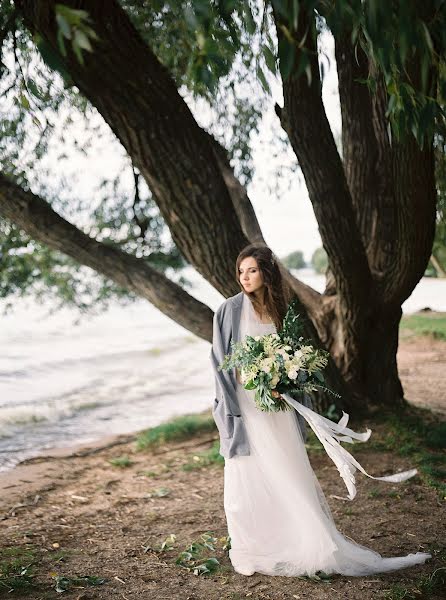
[275, 394]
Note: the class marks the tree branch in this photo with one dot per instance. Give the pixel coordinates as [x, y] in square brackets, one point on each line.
[35, 216]
[306, 123]
[138, 99]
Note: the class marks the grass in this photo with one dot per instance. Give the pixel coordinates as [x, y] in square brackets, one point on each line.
[177, 429]
[121, 461]
[17, 566]
[424, 587]
[428, 324]
[416, 434]
[206, 458]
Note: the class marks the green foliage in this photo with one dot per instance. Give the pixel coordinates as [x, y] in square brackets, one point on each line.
[179, 428]
[423, 587]
[319, 261]
[205, 458]
[193, 560]
[122, 462]
[295, 260]
[62, 583]
[414, 433]
[406, 41]
[430, 324]
[160, 492]
[75, 26]
[17, 567]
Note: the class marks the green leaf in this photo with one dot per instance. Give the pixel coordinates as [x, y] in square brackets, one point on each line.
[270, 59]
[64, 26]
[24, 102]
[286, 57]
[81, 40]
[262, 79]
[249, 19]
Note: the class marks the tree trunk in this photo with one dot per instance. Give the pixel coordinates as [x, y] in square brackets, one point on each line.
[375, 210]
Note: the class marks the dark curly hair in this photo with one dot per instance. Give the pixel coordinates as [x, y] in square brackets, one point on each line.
[276, 292]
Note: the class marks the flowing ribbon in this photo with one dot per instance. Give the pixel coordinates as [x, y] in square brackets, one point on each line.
[330, 434]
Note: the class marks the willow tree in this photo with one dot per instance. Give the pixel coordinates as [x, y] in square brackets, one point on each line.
[375, 202]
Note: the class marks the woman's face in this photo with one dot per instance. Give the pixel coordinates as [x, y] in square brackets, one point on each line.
[250, 275]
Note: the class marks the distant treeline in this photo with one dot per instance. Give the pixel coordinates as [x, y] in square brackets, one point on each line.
[319, 262]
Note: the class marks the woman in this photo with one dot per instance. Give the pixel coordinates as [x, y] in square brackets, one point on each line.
[278, 519]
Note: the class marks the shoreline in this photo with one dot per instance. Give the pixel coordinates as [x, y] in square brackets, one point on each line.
[420, 362]
[30, 475]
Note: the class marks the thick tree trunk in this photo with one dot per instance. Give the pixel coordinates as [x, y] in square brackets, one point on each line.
[376, 214]
[376, 218]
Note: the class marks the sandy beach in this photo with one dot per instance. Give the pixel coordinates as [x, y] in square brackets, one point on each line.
[81, 516]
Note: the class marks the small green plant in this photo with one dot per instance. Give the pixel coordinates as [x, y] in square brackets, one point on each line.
[192, 558]
[159, 492]
[121, 461]
[63, 583]
[319, 577]
[180, 428]
[165, 546]
[16, 569]
[205, 458]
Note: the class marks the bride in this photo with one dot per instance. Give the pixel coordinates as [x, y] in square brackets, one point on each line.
[278, 519]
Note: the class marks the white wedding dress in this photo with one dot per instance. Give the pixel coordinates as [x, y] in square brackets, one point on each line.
[278, 519]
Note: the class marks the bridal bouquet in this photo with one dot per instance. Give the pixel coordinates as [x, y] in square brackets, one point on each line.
[282, 362]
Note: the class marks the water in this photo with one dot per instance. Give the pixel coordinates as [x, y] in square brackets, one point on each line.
[125, 370]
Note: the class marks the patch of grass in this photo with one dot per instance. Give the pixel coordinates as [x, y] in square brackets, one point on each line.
[179, 428]
[416, 434]
[206, 458]
[430, 324]
[424, 587]
[17, 566]
[121, 461]
[374, 493]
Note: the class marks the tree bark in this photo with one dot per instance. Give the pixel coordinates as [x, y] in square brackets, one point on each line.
[369, 208]
[375, 210]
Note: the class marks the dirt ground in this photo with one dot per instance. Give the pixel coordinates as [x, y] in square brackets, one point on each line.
[81, 516]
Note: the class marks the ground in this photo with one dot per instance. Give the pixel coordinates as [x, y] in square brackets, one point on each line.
[76, 514]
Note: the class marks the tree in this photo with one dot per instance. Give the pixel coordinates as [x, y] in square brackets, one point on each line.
[319, 260]
[375, 206]
[294, 260]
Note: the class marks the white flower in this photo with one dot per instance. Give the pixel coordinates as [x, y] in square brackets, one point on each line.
[267, 364]
[257, 338]
[283, 353]
[292, 374]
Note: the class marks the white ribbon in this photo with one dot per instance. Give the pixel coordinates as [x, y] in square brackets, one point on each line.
[330, 434]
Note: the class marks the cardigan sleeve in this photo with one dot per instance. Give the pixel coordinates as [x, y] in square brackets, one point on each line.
[221, 345]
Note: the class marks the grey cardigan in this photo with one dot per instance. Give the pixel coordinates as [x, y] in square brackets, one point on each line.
[226, 409]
